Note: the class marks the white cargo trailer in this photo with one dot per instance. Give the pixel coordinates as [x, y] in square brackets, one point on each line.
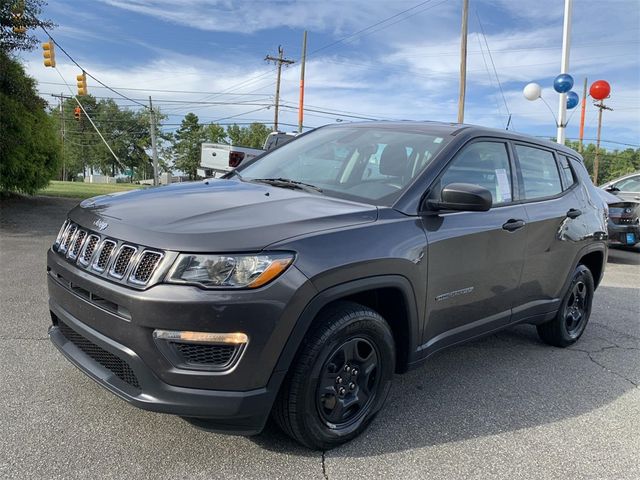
[218, 158]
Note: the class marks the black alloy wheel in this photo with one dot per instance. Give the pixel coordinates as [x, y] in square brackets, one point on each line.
[339, 379]
[573, 315]
[575, 308]
[348, 382]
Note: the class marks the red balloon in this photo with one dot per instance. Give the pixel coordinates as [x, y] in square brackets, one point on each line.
[600, 89]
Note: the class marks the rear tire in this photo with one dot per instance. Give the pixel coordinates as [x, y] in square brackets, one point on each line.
[340, 378]
[573, 315]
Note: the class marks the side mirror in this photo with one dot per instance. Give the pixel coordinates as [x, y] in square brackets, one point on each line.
[612, 188]
[463, 197]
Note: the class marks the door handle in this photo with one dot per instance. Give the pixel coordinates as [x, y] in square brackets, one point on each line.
[512, 225]
[574, 213]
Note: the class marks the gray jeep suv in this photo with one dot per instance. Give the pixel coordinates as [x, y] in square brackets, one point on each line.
[300, 283]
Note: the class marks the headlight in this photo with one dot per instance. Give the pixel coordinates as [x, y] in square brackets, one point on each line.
[229, 271]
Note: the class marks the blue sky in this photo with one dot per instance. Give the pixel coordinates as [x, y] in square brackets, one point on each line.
[404, 68]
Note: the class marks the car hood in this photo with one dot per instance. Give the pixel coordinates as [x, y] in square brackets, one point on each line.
[216, 215]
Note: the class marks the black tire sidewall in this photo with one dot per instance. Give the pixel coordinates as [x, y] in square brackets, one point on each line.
[580, 273]
[364, 325]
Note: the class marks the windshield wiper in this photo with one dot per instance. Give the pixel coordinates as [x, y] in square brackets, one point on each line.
[234, 172]
[288, 183]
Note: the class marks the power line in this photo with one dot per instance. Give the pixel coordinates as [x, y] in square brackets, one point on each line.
[156, 90]
[486, 66]
[83, 70]
[89, 118]
[493, 65]
[351, 35]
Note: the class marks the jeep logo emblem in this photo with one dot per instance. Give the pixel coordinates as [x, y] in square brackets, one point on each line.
[100, 224]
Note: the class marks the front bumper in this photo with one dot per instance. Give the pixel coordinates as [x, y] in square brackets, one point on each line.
[237, 400]
[618, 233]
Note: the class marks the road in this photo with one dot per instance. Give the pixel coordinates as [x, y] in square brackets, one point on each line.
[505, 406]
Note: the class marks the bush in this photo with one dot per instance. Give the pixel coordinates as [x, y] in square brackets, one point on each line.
[29, 148]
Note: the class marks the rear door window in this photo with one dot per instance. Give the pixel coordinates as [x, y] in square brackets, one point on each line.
[539, 172]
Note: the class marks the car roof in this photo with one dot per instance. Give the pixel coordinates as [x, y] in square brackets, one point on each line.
[444, 128]
[623, 177]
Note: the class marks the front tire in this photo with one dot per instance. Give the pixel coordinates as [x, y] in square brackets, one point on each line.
[573, 315]
[339, 379]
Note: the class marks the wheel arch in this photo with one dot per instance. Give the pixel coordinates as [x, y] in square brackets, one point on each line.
[390, 295]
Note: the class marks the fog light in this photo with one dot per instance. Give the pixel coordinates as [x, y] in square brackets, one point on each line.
[236, 338]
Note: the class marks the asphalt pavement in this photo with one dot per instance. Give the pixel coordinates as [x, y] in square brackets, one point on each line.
[505, 406]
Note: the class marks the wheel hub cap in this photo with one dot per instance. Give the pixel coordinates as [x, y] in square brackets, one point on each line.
[348, 382]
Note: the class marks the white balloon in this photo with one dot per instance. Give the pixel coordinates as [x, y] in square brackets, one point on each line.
[532, 91]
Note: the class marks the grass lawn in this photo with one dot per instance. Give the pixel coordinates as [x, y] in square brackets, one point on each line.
[84, 190]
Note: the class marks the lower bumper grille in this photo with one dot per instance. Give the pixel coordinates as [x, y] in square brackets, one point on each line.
[206, 355]
[108, 360]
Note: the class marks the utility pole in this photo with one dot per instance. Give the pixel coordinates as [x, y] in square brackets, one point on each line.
[601, 106]
[302, 61]
[582, 113]
[61, 98]
[564, 68]
[279, 61]
[154, 150]
[463, 60]
[62, 136]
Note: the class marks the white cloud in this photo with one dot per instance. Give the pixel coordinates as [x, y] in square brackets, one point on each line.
[252, 15]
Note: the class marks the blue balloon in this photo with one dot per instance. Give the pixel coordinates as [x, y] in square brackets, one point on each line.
[572, 100]
[563, 83]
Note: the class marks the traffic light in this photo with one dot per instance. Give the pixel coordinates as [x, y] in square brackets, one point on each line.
[82, 84]
[76, 113]
[49, 54]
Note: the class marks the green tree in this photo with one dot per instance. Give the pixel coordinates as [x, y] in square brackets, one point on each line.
[611, 164]
[215, 133]
[126, 132]
[252, 136]
[20, 13]
[29, 149]
[188, 138]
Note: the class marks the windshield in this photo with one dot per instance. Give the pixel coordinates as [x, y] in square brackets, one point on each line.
[368, 164]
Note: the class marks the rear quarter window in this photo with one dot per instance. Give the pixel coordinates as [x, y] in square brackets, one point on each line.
[568, 178]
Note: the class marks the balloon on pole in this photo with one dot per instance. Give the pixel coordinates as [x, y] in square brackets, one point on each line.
[532, 91]
[572, 100]
[563, 83]
[600, 89]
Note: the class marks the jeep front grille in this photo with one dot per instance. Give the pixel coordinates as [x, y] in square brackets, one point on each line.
[77, 244]
[89, 249]
[145, 268]
[67, 236]
[122, 262]
[101, 262]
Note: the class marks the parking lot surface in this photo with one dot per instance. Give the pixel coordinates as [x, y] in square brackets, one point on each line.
[505, 406]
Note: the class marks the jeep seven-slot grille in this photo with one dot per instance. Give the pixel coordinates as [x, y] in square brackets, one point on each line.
[77, 244]
[108, 360]
[103, 257]
[89, 249]
[146, 266]
[107, 257]
[122, 261]
[67, 237]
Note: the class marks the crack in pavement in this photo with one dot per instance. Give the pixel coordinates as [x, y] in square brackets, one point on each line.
[605, 368]
[324, 465]
[618, 332]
